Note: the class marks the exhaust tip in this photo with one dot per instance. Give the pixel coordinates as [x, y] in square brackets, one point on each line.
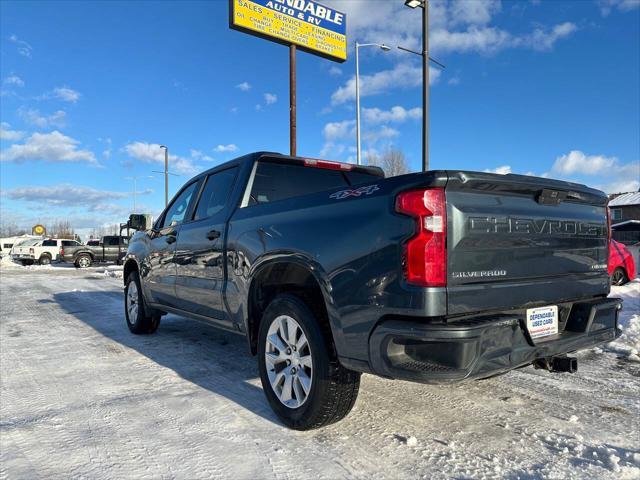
[558, 364]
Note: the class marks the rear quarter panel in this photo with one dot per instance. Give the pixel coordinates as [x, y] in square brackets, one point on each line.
[351, 244]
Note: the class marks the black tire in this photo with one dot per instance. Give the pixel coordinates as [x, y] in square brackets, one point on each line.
[45, 259]
[84, 260]
[334, 389]
[142, 323]
[619, 277]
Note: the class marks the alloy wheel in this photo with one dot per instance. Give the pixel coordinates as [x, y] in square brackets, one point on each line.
[132, 302]
[288, 360]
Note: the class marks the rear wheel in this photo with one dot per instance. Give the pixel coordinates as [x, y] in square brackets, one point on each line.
[83, 261]
[619, 277]
[45, 259]
[305, 385]
[137, 319]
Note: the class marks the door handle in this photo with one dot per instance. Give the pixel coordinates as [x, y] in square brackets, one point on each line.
[171, 239]
[213, 234]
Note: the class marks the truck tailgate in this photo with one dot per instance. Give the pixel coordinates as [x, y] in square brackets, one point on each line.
[516, 241]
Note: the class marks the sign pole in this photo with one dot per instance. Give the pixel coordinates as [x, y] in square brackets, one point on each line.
[292, 101]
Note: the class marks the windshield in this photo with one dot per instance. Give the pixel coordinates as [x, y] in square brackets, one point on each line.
[28, 243]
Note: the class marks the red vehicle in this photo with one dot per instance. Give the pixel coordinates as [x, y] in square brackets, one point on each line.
[621, 266]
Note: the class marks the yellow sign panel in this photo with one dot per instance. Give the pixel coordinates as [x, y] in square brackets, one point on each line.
[38, 230]
[313, 27]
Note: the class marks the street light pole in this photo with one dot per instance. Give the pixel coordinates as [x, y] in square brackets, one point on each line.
[358, 105]
[424, 4]
[425, 86]
[166, 175]
[384, 48]
[135, 188]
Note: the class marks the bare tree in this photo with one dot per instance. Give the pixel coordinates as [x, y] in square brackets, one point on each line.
[392, 161]
[11, 229]
[61, 229]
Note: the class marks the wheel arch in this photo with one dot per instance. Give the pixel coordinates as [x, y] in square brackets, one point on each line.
[296, 275]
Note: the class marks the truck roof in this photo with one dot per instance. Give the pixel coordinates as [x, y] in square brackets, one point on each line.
[307, 161]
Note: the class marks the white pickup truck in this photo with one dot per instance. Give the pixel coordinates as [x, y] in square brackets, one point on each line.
[41, 251]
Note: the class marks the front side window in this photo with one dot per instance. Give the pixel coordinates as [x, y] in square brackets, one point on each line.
[178, 209]
[50, 243]
[215, 193]
[112, 241]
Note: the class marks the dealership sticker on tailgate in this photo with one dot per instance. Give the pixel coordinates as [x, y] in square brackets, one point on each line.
[542, 321]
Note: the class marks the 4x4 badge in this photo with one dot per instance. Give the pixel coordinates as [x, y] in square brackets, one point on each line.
[367, 190]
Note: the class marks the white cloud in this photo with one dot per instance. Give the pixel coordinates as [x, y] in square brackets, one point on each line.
[401, 75]
[244, 86]
[198, 155]
[13, 80]
[503, 170]
[606, 6]
[34, 117]
[23, 47]
[270, 98]
[339, 130]
[66, 94]
[541, 39]
[454, 81]
[395, 114]
[226, 148]
[576, 162]
[335, 71]
[64, 195]
[455, 26]
[7, 134]
[49, 147]
[152, 153]
[612, 175]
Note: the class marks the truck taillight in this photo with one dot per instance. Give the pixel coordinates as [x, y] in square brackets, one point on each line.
[32, 251]
[425, 254]
[608, 225]
[61, 251]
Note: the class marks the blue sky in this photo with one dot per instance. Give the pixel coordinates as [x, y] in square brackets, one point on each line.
[89, 89]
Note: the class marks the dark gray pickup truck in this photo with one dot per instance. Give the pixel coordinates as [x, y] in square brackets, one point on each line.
[110, 249]
[331, 270]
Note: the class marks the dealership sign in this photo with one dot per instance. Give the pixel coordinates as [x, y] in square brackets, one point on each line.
[309, 25]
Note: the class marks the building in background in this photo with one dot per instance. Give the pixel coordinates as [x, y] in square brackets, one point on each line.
[625, 221]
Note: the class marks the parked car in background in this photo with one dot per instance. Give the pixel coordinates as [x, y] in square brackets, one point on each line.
[110, 249]
[622, 268]
[42, 251]
[331, 270]
[7, 243]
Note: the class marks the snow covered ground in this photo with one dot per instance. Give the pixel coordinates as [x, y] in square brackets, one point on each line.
[82, 397]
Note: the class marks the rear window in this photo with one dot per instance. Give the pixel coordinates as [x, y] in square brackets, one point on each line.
[279, 181]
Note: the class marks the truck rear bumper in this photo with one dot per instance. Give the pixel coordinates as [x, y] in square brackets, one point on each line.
[483, 346]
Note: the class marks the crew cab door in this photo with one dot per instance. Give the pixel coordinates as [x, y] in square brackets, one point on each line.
[200, 254]
[160, 278]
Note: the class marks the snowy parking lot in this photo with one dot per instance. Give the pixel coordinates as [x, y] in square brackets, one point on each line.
[82, 397]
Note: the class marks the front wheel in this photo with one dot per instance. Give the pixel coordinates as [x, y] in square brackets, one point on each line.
[83, 261]
[137, 319]
[45, 259]
[305, 385]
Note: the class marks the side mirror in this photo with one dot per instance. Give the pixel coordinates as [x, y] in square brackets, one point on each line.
[140, 221]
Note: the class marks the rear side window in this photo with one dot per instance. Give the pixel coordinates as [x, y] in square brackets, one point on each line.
[215, 193]
[50, 243]
[69, 243]
[278, 181]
